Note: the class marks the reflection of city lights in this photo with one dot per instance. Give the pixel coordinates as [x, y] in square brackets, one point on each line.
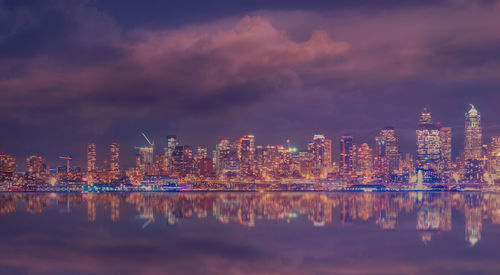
[432, 212]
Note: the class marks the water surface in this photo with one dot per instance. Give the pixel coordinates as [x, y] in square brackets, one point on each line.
[250, 233]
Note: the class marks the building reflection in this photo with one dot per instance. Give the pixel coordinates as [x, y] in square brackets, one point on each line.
[433, 211]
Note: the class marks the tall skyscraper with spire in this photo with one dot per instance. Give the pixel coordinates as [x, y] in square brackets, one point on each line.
[473, 134]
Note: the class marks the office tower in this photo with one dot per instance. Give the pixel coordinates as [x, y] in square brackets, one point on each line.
[91, 157]
[446, 161]
[221, 154]
[445, 136]
[391, 149]
[321, 149]
[114, 157]
[246, 150]
[473, 134]
[428, 147]
[145, 159]
[364, 158]
[7, 164]
[161, 164]
[182, 160]
[494, 157]
[380, 160]
[328, 154]
[34, 166]
[172, 142]
[346, 155]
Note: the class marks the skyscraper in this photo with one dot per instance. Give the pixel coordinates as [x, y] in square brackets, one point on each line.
[380, 160]
[171, 143]
[494, 157]
[446, 159]
[346, 155]
[364, 158]
[34, 166]
[182, 160]
[91, 157]
[7, 166]
[246, 150]
[428, 147]
[391, 148]
[114, 157]
[321, 149]
[473, 134]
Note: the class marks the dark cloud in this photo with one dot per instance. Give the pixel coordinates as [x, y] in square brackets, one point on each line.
[71, 71]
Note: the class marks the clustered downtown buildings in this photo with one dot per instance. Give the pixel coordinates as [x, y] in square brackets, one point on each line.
[243, 161]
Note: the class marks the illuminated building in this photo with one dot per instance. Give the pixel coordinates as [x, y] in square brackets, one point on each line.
[494, 157]
[246, 150]
[364, 158]
[446, 159]
[145, 157]
[222, 155]
[201, 152]
[34, 166]
[7, 166]
[391, 148]
[91, 157]
[206, 167]
[182, 160]
[114, 157]
[473, 134]
[172, 142]
[380, 160]
[321, 149]
[428, 148]
[346, 155]
[161, 164]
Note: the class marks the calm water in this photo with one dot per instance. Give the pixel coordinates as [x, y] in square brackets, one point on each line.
[245, 233]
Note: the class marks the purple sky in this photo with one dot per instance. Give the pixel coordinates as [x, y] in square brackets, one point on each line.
[74, 71]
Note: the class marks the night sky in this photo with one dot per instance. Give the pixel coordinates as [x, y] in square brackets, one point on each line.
[75, 71]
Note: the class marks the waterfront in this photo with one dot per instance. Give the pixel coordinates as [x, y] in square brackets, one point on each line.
[294, 233]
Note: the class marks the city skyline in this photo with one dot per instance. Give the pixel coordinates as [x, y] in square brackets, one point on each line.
[74, 71]
[101, 157]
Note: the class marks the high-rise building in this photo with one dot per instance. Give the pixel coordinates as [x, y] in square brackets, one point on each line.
[91, 157]
[182, 160]
[391, 148]
[321, 149]
[446, 158]
[246, 150]
[34, 166]
[380, 160]
[473, 134]
[172, 142]
[7, 166]
[494, 157]
[145, 159]
[428, 148]
[114, 157]
[346, 155]
[364, 158]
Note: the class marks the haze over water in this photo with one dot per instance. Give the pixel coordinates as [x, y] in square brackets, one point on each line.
[264, 233]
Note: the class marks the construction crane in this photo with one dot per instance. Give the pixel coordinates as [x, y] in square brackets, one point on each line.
[68, 158]
[147, 139]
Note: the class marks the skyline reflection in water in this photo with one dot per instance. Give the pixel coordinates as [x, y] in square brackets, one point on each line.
[295, 233]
